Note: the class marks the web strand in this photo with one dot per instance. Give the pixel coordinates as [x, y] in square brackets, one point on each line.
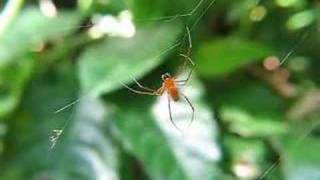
[59, 132]
[198, 5]
[91, 91]
[162, 18]
[271, 168]
[274, 165]
[296, 144]
[168, 18]
[68, 105]
[202, 14]
[295, 47]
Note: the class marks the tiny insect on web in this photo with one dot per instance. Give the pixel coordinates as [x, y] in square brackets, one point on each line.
[170, 85]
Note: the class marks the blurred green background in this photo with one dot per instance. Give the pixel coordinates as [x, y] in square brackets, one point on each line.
[64, 113]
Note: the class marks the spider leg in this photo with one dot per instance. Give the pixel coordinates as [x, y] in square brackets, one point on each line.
[190, 40]
[192, 108]
[170, 114]
[187, 59]
[184, 81]
[143, 87]
[189, 75]
[154, 93]
[180, 83]
[160, 90]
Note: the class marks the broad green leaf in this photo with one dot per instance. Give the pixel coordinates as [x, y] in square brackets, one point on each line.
[13, 78]
[247, 156]
[301, 158]
[139, 135]
[104, 66]
[3, 131]
[166, 152]
[242, 122]
[252, 110]
[16, 62]
[222, 56]
[159, 10]
[301, 19]
[128, 167]
[81, 148]
[287, 3]
[33, 28]
[85, 5]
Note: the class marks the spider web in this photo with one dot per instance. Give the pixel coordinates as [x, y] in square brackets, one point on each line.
[298, 142]
[194, 12]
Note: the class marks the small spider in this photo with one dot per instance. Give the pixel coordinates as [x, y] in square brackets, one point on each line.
[170, 86]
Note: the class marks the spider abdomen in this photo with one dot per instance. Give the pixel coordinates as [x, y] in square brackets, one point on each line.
[172, 89]
[174, 93]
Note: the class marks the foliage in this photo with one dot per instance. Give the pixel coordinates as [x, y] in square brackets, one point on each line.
[65, 112]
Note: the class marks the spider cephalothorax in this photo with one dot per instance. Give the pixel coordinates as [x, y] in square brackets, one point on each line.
[165, 76]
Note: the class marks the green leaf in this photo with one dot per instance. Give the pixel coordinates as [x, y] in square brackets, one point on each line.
[287, 3]
[104, 7]
[248, 124]
[252, 110]
[16, 62]
[145, 130]
[81, 150]
[161, 9]
[13, 78]
[222, 56]
[301, 19]
[301, 158]
[247, 156]
[31, 29]
[103, 66]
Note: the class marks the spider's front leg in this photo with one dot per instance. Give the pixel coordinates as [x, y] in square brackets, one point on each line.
[153, 93]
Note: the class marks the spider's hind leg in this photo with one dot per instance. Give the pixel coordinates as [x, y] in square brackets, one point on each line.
[170, 115]
[191, 106]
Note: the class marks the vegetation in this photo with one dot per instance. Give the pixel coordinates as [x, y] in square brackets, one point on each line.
[66, 114]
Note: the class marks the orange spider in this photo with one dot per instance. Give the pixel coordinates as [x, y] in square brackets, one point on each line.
[170, 85]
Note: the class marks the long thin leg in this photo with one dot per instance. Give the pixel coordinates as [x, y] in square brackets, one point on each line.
[170, 114]
[187, 59]
[190, 73]
[154, 93]
[190, 41]
[192, 108]
[143, 87]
